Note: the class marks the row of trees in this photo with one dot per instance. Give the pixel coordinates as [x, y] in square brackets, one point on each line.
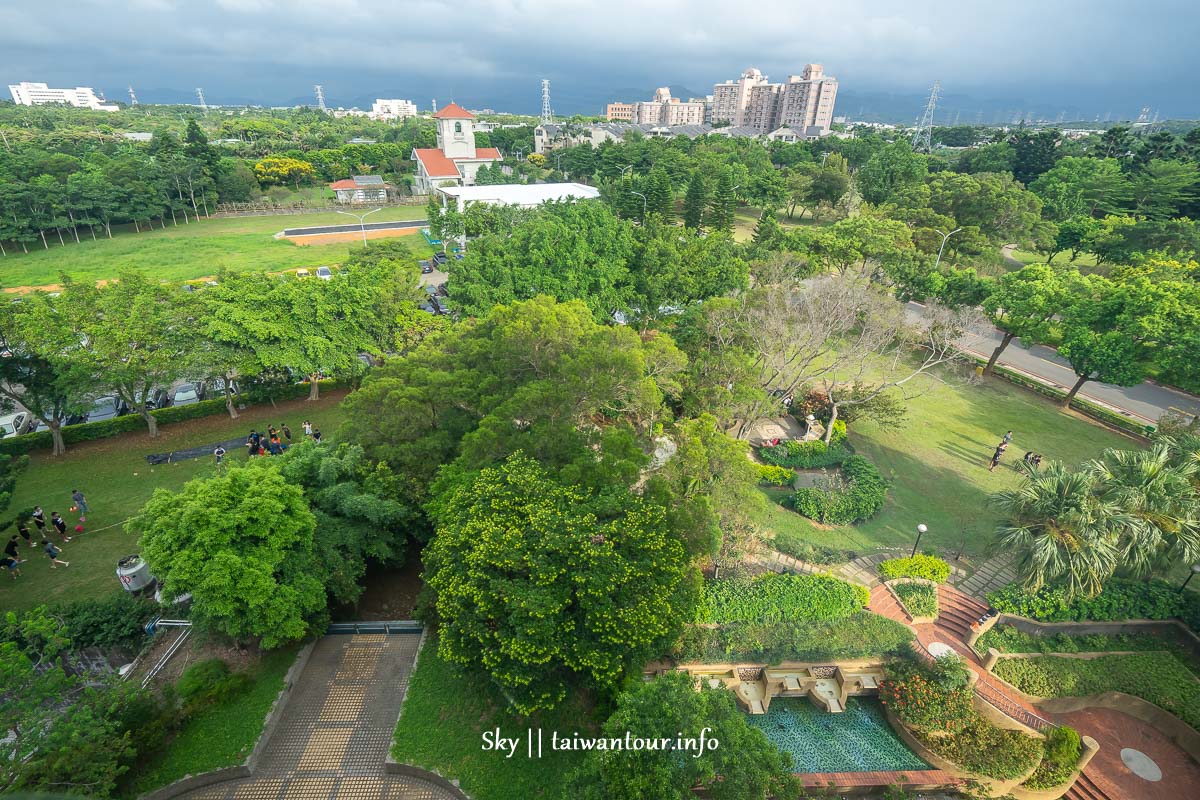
[135, 335]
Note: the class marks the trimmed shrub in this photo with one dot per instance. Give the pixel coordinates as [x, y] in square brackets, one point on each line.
[809, 455]
[775, 476]
[861, 499]
[796, 547]
[775, 598]
[931, 568]
[919, 598]
[863, 635]
[1120, 599]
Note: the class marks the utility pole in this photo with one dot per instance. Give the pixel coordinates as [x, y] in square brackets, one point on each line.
[132, 97]
[200, 94]
[922, 139]
[547, 114]
[320, 97]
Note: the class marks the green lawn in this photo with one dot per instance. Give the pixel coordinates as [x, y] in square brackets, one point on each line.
[937, 465]
[117, 480]
[190, 251]
[221, 735]
[1029, 257]
[445, 716]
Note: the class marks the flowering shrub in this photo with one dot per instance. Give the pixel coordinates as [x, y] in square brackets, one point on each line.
[924, 704]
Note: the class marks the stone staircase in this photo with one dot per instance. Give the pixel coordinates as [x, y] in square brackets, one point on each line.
[958, 612]
[884, 603]
[1087, 789]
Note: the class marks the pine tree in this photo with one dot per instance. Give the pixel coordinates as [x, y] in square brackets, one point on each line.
[723, 204]
[660, 199]
[695, 200]
[767, 230]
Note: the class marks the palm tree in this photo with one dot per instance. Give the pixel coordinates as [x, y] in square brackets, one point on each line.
[1156, 491]
[1060, 529]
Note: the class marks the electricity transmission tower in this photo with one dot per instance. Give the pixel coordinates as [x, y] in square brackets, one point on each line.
[320, 97]
[200, 94]
[922, 139]
[547, 114]
[132, 97]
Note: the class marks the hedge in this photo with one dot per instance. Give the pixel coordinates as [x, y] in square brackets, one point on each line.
[861, 499]
[919, 598]
[809, 455]
[931, 568]
[775, 476]
[775, 598]
[91, 431]
[863, 635]
[1121, 599]
[1100, 413]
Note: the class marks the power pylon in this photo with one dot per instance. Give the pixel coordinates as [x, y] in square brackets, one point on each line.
[200, 95]
[547, 114]
[320, 97]
[922, 139]
[132, 97]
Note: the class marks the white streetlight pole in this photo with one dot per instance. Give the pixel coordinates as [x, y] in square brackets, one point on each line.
[920, 532]
[639, 194]
[362, 221]
[945, 238]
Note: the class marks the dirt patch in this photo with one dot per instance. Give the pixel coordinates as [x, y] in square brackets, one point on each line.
[49, 287]
[197, 648]
[388, 592]
[349, 236]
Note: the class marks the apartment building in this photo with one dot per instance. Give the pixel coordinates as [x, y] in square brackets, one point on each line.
[662, 109]
[803, 103]
[36, 94]
[619, 112]
[392, 109]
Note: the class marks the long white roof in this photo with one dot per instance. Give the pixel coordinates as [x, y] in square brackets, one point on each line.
[521, 194]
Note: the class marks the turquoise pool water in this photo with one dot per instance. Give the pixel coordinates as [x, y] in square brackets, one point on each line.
[857, 740]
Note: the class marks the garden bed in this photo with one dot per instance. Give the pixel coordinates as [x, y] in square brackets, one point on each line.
[919, 598]
[863, 635]
[776, 598]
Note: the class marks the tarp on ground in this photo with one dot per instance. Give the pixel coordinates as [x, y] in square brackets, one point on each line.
[231, 446]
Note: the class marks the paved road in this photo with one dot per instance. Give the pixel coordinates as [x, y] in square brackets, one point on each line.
[1145, 402]
[336, 729]
[354, 227]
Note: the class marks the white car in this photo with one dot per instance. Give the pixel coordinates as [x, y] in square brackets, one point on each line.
[324, 273]
[301, 273]
[16, 424]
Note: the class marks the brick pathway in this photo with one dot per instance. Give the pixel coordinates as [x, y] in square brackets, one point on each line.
[992, 574]
[333, 737]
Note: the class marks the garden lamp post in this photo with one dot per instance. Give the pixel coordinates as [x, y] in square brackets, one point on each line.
[1192, 574]
[639, 194]
[362, 221]
[920, 532]
[945, 238]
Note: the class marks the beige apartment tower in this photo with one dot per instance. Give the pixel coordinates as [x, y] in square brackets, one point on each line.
[805, 101]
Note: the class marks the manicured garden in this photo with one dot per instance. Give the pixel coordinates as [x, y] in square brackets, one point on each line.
[919, 598]
[221, 720]
[117, 480]
[1120, 599]
[191, 251]
[1159, 678]
[777, 598]
[941, 451]
[445, 715]
[1007, 639]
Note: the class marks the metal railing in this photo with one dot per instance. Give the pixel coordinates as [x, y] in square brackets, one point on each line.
[394, 626]
[162, 662]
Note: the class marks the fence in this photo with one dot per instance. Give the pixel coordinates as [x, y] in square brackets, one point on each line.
[275, 209]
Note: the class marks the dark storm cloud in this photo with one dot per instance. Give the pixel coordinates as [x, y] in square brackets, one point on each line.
[273, 51]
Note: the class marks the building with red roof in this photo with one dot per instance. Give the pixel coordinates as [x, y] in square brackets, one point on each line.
[456, 159]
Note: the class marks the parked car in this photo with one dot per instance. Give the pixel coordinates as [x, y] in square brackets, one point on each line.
[440, 258]
[324, 273]
[426, 267]
[301, 273]
[104, 408]
[185, 395]
[458, 256]
[155, 398]
[215, 389]
[16, 424]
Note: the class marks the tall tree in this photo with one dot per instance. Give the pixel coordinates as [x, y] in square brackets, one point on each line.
[660, 198]
[723, 204]
[695, 201]
[889, 171]
[1023, 305]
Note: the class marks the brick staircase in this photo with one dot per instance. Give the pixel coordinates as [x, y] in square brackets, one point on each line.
[958, 612]
[883, 603]
[1087, 789]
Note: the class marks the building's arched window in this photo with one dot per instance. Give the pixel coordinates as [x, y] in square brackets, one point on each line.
[458, 127]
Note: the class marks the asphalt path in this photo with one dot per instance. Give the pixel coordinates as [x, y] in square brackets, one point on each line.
[1145, 401]
[355, 227]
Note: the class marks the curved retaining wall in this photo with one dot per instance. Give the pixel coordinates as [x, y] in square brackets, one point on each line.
[1171, 726]
[1035, 628]
[243, 770]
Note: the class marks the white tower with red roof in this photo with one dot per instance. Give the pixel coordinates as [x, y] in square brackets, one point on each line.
[456, 131]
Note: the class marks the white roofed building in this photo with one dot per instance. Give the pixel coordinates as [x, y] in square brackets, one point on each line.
[525, 195]
[36, 94]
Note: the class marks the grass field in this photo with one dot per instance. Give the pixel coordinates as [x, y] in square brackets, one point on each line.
[189, 251]
[445, 716]
[937, 465]
[221, 735]
[117, 481]
[1028, 257]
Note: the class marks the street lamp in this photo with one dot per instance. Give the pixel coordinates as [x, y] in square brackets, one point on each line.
[639, 194]
[362, 221]
[945, 238]
[920, 532]
[1195, 569]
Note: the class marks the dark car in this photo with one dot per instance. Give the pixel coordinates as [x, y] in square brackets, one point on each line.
[155, 398]
[458, 256]
[104, 408]
[440, 258]
[426, 268]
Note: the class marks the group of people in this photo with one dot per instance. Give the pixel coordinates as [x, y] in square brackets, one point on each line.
[271, 443]
[23, 538]
[1032, 458]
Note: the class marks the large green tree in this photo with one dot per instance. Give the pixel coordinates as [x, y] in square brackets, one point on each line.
[545, 587]
[889, 171]
[695, 201]
[1023, 305]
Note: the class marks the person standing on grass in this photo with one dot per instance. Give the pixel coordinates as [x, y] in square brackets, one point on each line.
[23, 530]
[80, 503]
[53, 553]
[286, 431]
[12, 565]
[219, 454]
[1007, 437]
[10, 549]
[996, 458]
[39, 518]
[316, 435]
[60, 525]
[308, 429]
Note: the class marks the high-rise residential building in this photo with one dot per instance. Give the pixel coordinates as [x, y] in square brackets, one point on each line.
[393, 109]
[619, 112]
[36, 94]
[707, 102]
[804, 102]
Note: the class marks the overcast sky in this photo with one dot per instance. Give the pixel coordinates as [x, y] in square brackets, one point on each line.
[1093, 55]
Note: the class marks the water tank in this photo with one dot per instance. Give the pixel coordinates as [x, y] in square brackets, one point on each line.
[134, 573]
